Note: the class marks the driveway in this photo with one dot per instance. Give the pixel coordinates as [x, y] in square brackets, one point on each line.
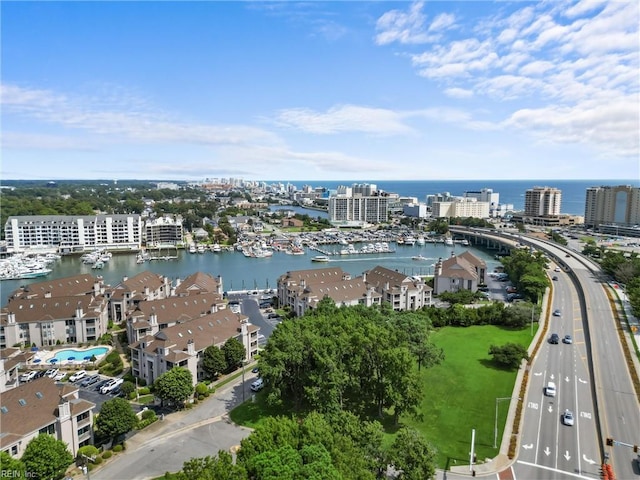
[167, 444]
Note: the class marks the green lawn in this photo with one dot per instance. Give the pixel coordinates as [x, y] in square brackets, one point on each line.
[460, 394]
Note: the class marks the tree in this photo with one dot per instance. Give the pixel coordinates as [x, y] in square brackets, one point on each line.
[11, 467]
[509, 355]
[116, 418]
[234, 353]
[213, 361]
[412, 455]
[213, 468]
[45, 457]
[174, 386]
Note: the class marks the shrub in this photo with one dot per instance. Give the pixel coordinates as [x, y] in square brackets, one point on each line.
[117, 448]
[87, 450]
[107, 455]
[142, 382]
[132, 396]
[144, 391]
[148, 414]
[98, 460]
[200, 398]
[201, 388]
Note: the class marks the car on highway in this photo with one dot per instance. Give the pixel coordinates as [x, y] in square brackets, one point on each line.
[255, 370]
[567, 339]
[555, 339]
[557, 269]
[550, 389]
[567, 418]
[557, 312]
[555, 278]
[78, 375]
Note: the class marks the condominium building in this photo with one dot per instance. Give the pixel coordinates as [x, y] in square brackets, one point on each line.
[359, 203]
[163, 231]
[459, 272]
[460, 207]
[542, 201]
[73, 233]
[43, 406]
[612, 205]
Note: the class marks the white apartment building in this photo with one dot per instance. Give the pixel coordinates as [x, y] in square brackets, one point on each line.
[542, 201]
[73, 233]
[463, 207]
[163, 231]
[612, 205]
[496, 209]
[359, 203]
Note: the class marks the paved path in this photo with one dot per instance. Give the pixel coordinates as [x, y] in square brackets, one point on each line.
[165, 445]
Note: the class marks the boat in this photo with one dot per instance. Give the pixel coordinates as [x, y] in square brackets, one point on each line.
[320, 258]
[420, 240]
[448, 241]
[98, 265]
[216, 248]
[418, 257]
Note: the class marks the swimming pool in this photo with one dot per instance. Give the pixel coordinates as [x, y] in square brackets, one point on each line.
[78, 355]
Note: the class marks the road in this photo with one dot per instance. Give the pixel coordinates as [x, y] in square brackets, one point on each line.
[167, 444]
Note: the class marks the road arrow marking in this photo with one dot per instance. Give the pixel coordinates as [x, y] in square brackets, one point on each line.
[547, 451]
[550, 409]
[588, 460]
[527, 447]
[567, 456]
[566, 379]
[552, 377]
[537, 374]
[581, 380]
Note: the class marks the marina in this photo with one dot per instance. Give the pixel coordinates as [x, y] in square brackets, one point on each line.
[240, 272]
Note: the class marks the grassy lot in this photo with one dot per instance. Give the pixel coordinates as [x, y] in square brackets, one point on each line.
[459, 395]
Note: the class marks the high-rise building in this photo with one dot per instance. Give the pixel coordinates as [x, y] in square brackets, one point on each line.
[359, 203]
[542, 202]
[612, 205]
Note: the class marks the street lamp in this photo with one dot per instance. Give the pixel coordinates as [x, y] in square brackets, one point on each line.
[495, 428]
[243, 386]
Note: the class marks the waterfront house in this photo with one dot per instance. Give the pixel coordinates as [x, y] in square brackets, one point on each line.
[343, 293]
[183, 344]
[291, 286]
[76, 285]
[44, 407]
[402, 292]
[459, 272]
[196, 284]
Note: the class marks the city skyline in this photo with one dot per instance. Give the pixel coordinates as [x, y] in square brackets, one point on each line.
[320, 90]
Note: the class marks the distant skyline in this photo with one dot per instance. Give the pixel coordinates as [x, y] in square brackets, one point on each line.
[316, 91]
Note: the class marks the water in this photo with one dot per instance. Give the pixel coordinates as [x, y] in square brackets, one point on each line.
[511, 191]
[71, 354]
[243, 273]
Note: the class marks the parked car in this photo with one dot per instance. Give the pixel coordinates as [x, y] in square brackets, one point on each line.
[52, 372]
[550, 389]
[111, 385]
[555, 339]
[40, 374]
[567, 339]
[257, 385]
[28, 376]
[101, 384]
[567, 418]
[87, 382]
[255, 370]
[78, 375]
[59, 376]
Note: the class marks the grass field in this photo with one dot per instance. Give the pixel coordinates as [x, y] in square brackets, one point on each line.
[459, 395]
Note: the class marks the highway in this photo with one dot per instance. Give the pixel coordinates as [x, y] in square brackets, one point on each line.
[592, 379]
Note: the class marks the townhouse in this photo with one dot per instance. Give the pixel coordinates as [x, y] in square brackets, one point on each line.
[44, 407]
[125, 295]
[183, 344]
[402, 292]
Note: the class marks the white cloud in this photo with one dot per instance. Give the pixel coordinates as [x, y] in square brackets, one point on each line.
[344, 118]
[405, 27]
[442, 22]
[456, 92]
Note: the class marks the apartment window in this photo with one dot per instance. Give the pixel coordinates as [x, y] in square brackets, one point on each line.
[82, 416]
[14, 450]
[49, 429]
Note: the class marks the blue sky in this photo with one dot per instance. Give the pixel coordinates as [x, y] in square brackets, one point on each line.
[320, 90]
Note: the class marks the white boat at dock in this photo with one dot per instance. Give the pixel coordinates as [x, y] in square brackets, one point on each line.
[320, 258]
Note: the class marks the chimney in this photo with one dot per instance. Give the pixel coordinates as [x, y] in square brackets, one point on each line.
[11, 318]
[153, 319]
[191, 348]
[79, 312]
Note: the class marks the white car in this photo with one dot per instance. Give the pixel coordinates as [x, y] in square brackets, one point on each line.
[78, 375]
[112, 385]
[257, 385]
[59, 376]
[567, 418]
[550, 389]
[51, 373]
[28, 376]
